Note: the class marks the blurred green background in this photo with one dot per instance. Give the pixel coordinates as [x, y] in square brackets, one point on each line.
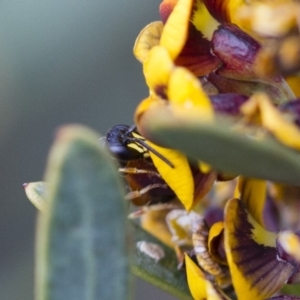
[61, 61]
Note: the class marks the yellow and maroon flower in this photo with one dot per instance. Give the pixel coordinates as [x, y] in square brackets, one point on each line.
[261, 262]
[198, 36]
[197, 63]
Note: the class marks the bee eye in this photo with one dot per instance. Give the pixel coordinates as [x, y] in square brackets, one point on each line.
[124, 152]
[118, 141]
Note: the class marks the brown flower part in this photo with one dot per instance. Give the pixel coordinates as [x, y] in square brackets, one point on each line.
[165, 9]
[196, 54]
[288, 250]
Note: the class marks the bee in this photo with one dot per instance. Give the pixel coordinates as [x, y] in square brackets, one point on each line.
[132, 153]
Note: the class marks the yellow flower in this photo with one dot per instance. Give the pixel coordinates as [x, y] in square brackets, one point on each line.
[260, 261]
[177, 90]
[200, 36]
[282, 122]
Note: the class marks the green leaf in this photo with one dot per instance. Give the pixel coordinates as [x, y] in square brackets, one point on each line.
[226, 149]
[163, 273]
[291, 289]
[81, 250]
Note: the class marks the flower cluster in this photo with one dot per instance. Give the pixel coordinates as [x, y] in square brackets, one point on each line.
[209, 60]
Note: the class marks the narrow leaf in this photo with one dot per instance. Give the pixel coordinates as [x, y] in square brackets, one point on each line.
[81, 236]
[162, 273]
[227, 150]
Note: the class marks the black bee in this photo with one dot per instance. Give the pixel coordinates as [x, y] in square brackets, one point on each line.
[132, 153]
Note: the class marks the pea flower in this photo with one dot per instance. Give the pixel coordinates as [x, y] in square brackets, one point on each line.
[237, 248]
[202, 63]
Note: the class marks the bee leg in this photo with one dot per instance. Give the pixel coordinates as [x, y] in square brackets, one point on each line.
[144, 209]
[138, 171]
[136, 194]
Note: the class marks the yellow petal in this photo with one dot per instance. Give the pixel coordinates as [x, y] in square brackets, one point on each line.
[232, 6]
[157, 68]
[290, 242]
[175, 30]
[196, 280]
[179, 178]
[251, 254]
[154, 221]
[214, 237]
[147, 39]
[253, 193]
[204, 167]
[285, 131]
[294, 84]
[185, 90]
[143, 107]
[200, 287]
[203, 20]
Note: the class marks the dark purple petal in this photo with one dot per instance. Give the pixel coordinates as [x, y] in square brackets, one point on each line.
[229, 103]
[248, 88]
[237, 50]
[293, 108]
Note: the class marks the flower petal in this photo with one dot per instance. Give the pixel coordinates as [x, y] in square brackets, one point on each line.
[200, 287]
[175, 30]
[196, 54]
[203, 21]
[251, 254]
[223, 10]
[285, 131]
[196, 279]
[203, 182]
[165, 9]
[237, 50]
[290, 242]
[147, 39]
[185, 89]
[253, 193]
[226, 85]
[216, 243]
[179, 178]
[228, 103]
[154, 221]
[157, 69]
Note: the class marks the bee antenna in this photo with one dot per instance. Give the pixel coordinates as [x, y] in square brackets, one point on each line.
[144, 144]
